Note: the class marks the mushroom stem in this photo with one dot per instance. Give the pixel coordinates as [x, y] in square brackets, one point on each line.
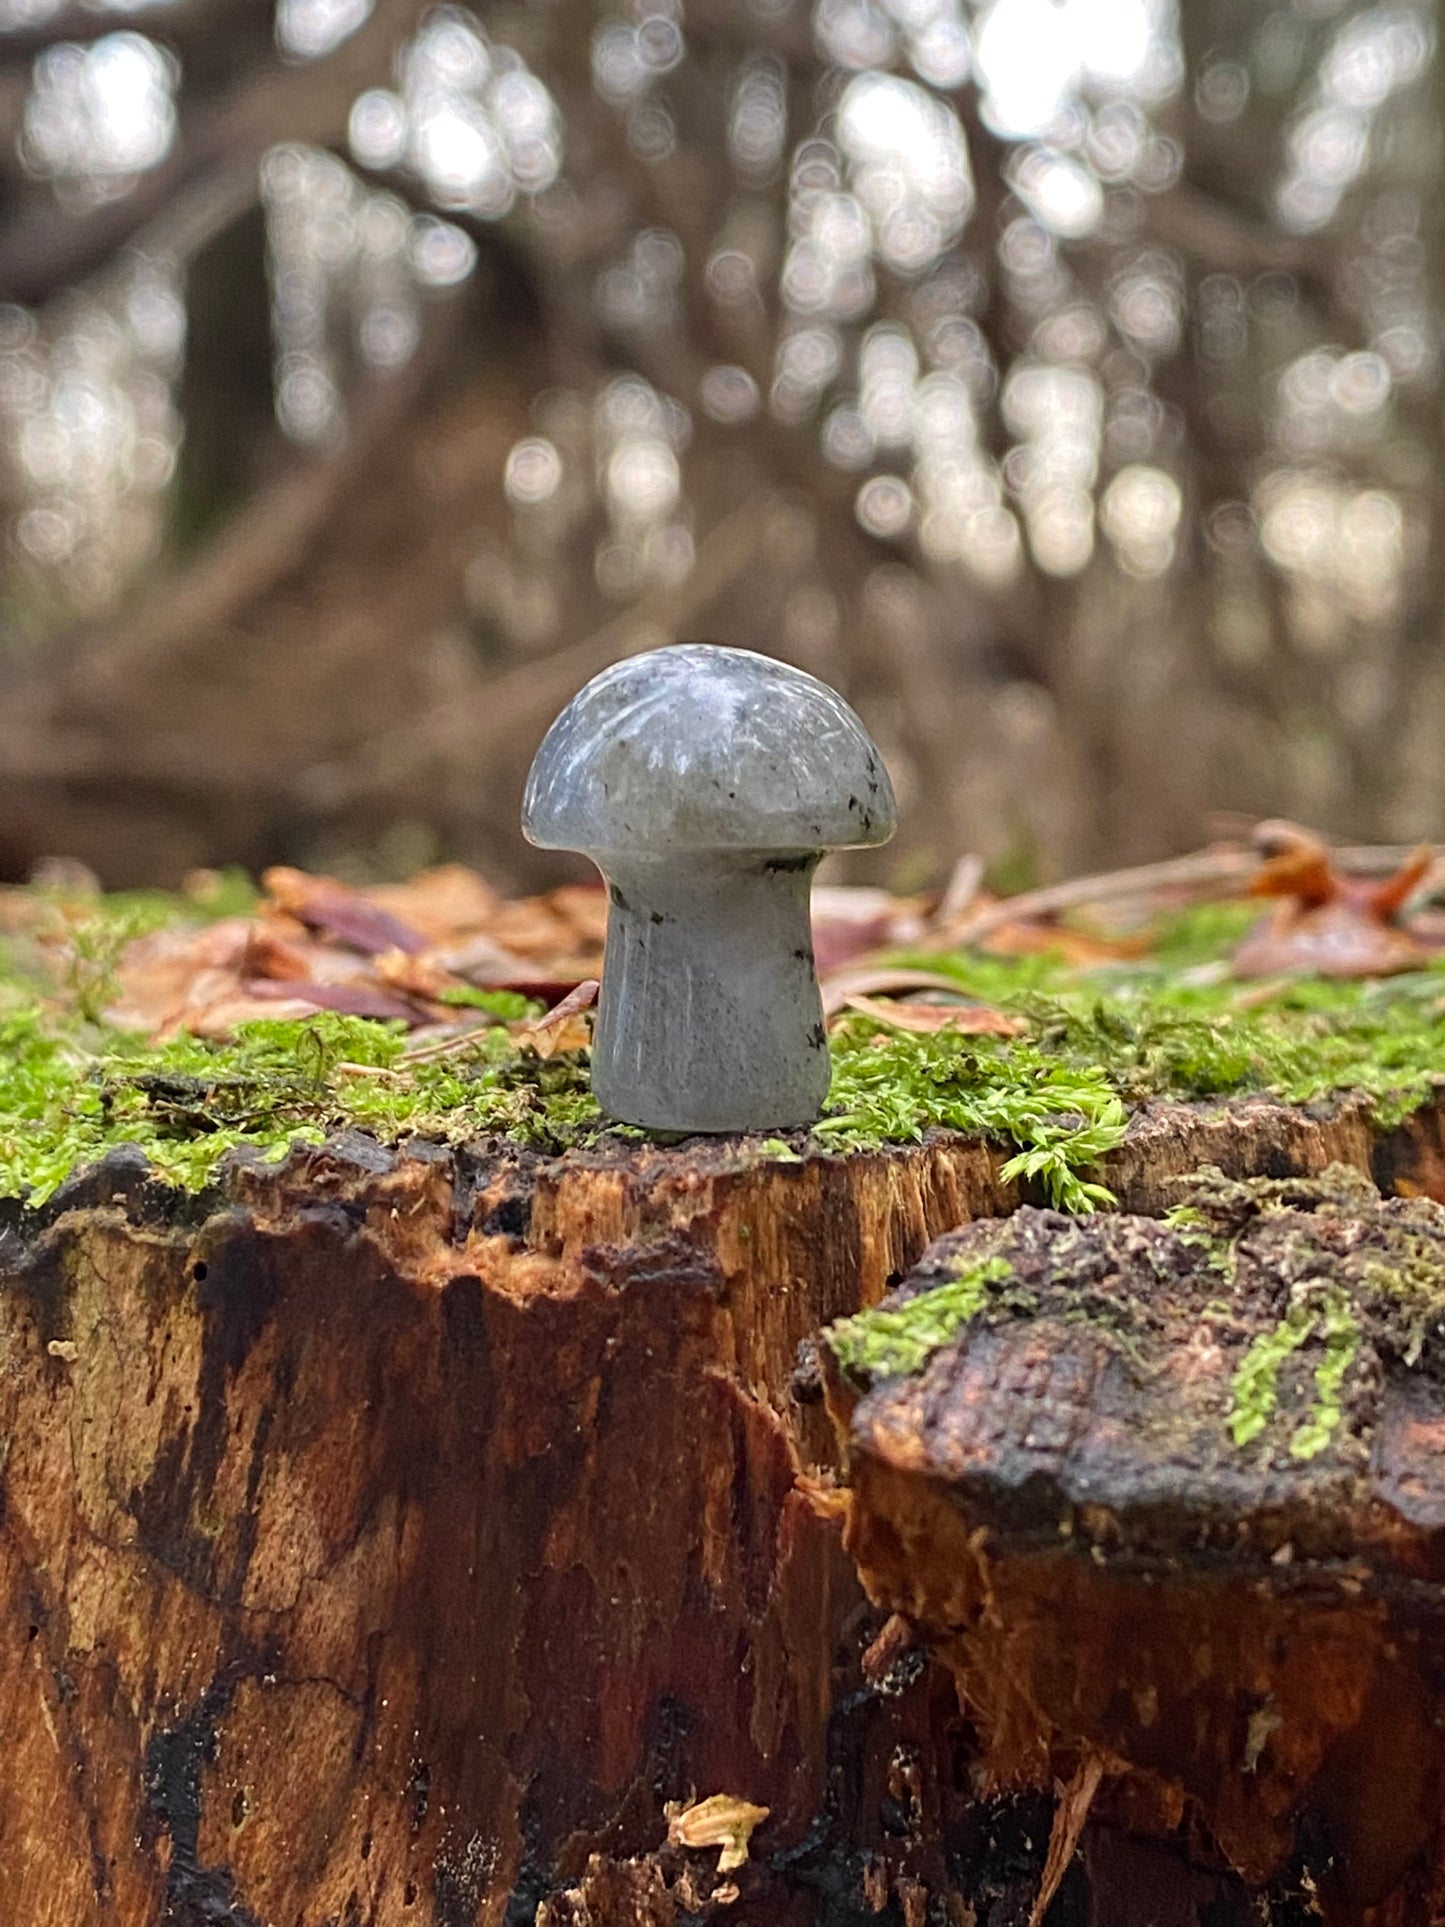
[709, 1017]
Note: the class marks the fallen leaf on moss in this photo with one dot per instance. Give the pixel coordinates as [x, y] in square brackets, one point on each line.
[209, 980]
[975, 1020]
[1327, 924]
[352, 1000]
[169, 980]
[567, 922]
[439, 903]
[1081, 947]
[1327, 940]
[566, 1027]
[481, 961]
[415, 976]
[871, 980]
[722, 1820]
[219, 1017]
[336, 910]
[849, 922]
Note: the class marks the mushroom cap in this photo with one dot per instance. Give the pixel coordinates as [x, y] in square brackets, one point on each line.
[697, 747]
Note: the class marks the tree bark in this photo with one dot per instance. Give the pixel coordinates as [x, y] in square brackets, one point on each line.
[384, 1541]
[396, 1537]
[1198, 1592]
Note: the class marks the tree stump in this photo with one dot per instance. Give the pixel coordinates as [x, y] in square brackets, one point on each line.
[1170, 1503]
[401, 1537]
[388, 1538]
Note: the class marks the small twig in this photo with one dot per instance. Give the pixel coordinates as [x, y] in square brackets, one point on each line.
[1201, 870]
[445, 1046]
[963, 886]
[1204, 870]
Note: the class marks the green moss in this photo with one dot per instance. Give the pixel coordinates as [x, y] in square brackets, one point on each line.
[1175, 1022]
[1255, 1391]
[901, 1338]
[779, 1150]
[1055, 1099]
[1330, 1292]
[67, 1096]
[1409, 1280]
[508, 1006]
[1342, 1344]
[1354, 1266]
[892, 1088]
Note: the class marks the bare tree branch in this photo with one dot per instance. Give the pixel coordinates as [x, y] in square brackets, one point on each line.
[211, 174]
[520, 700]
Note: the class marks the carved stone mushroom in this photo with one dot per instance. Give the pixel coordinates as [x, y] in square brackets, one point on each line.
[705, 783]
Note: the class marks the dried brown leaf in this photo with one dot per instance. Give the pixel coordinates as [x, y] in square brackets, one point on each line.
[439, 904]
[850, 921]
[169, 980]
[414, 976]
[871, 980]
[583, 908]
[568, 922]
[1336, 939]
[352, 1000]
[336, 910]
[1081, 947]
[973, 1020]
[220, 1016]
[566, 1027]
[1328, 923]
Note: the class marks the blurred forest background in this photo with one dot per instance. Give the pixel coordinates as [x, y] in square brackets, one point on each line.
[1061, 379]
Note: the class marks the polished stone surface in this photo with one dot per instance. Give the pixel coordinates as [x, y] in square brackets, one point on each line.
[705, 783]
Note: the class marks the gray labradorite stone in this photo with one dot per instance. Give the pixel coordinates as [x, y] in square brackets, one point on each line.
[705, 784]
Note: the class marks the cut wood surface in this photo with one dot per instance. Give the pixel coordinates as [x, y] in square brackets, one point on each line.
[395, 1538]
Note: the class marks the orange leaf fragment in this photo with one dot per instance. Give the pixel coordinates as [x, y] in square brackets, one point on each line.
[1037, 937]
[566, 1027]
[1327, 924]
